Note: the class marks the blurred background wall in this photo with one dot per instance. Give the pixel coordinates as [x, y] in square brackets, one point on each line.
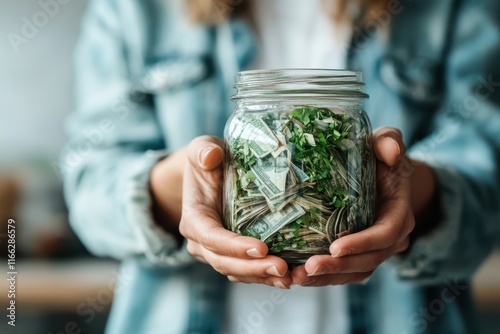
[36, 79]
[36, 84]
[61, 288]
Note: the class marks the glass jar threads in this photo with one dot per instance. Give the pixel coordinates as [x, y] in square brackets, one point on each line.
[299, 167]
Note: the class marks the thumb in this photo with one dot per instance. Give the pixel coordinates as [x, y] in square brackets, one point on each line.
[388, 145]
[205, 152]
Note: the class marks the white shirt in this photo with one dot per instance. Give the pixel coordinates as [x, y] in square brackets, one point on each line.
[298, 34]
[292, 34]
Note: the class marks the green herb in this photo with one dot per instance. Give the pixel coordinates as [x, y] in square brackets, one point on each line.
[318, 159]
[292, 179]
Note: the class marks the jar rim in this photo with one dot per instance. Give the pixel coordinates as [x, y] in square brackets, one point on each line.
[299, 82]
[330, 72]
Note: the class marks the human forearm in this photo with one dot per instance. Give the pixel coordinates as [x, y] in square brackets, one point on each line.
[425, 198]
[166, 190]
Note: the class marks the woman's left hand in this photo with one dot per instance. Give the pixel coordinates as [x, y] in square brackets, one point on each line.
[354, 257]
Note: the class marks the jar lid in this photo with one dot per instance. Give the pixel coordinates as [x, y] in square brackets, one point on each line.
[299, 83]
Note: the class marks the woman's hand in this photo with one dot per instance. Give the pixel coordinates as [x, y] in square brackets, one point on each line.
[242, 259]
[354, 257]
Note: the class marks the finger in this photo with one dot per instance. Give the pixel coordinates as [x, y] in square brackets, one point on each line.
[388, 145]
[337, 279]
[300, 277]
[210, 234]
[230, 266]
[205, 152]
[326, 265]
[361, 263]
[280, 283]
[194, 249]
[391, 226]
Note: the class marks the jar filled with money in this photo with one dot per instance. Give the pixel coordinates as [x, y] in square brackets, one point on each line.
[299, 167]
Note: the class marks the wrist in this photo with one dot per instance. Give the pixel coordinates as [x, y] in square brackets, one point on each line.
[166, 191]
[425, 198]
[423, 186]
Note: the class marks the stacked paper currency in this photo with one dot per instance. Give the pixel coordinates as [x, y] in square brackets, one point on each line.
[272, 192]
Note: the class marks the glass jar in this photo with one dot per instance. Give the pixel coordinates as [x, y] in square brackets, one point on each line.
[299, 168]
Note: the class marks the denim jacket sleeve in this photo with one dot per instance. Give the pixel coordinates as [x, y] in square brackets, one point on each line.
[115, 139]
[464, 150]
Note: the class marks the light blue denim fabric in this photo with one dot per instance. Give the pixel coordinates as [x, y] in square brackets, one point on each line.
[149, 81]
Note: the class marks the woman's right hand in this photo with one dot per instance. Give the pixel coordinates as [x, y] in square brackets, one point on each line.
[240, 258]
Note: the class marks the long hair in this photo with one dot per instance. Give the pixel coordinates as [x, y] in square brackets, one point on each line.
[216, 11]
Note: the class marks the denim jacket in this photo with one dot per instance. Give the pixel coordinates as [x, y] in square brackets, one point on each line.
[149, 81]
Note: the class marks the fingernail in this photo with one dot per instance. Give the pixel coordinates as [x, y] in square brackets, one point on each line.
[339, 252]
[393, 143]
[202, 157]
[318, 271]
[254, 252]
[280, 285]
[309, 281]
[273, 271]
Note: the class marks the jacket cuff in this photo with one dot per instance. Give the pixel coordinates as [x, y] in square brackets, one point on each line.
[160, 247]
